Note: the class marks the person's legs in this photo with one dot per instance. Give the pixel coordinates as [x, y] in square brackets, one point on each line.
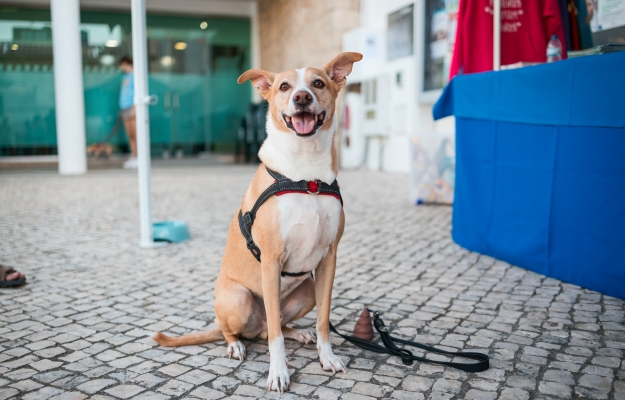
[130, 123]
[131, 129]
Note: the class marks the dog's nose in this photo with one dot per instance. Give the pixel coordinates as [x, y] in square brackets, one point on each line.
[302, 98]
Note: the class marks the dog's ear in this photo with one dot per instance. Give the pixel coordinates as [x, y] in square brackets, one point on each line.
[262, 80]
[341, 66]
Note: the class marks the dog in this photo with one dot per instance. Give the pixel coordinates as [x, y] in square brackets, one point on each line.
[97, 149]
[296, 234]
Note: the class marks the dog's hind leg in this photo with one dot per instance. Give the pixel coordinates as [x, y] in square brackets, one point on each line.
[238, 314]
[297, 304]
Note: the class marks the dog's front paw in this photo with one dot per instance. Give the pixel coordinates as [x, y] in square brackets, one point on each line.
[278, 378]
[236, 350]
[329, 361]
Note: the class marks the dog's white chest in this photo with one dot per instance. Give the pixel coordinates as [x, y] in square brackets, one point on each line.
[308, 224]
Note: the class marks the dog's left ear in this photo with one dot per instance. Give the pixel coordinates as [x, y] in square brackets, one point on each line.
[341, 66]
[262, 80]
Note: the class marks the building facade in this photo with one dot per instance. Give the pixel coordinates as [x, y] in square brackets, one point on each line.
[303, 33]
[198, 48]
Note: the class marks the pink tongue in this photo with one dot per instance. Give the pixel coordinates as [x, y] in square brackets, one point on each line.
[303, 123]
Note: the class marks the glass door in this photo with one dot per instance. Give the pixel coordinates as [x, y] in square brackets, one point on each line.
[193, 65]
[179, 63]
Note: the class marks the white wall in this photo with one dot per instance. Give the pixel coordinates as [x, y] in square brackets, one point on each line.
[409, 111]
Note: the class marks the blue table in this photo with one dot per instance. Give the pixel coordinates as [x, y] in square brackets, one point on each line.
[540, 168]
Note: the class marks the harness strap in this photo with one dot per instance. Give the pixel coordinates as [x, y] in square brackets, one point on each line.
[282, 185]
[406, 355]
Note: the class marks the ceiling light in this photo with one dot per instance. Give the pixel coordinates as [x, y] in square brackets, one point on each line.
[180, 46]
[167, 61]
[107, 59]
[15, 47]
[203, 24]
[111, 43]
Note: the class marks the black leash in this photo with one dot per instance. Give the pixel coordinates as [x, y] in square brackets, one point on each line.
[406, 355]
[118, 123]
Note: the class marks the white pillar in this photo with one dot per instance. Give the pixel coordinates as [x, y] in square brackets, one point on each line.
[68, 88]
[255, 41]
[497, 35]
[140, 71]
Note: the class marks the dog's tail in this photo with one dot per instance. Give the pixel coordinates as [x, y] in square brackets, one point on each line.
[186, 340]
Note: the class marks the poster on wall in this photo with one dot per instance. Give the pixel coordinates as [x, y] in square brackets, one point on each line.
[441, 18]
[605, 14]
[433, 169]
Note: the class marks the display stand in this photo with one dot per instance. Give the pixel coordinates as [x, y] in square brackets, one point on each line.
[540, 168]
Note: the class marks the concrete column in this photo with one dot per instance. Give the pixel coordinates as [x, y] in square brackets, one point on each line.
[68, 87]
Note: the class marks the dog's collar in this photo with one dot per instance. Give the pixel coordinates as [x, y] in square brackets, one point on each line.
[283, 185]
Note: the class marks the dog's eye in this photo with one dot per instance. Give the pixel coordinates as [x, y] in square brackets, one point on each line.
[318, 84]
[284, 86]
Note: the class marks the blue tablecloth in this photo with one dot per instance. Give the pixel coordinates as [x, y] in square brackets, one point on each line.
[540, 168]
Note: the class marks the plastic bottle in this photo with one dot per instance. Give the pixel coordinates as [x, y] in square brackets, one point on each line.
[554, 49]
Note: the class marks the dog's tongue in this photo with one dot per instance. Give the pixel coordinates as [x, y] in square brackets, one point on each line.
[303, 123]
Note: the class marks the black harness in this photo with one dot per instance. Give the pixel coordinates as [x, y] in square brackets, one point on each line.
[283, 185]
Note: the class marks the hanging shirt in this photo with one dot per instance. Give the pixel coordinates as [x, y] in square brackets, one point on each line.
[566, 23]
[127, 94]
[526, 26]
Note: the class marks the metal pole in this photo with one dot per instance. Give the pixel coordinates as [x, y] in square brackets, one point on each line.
[68, 87]
[141, 101]
[497, 35]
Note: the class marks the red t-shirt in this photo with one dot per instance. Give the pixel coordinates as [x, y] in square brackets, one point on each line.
[526, 27]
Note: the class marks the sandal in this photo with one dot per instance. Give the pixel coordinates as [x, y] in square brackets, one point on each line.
[4, 271]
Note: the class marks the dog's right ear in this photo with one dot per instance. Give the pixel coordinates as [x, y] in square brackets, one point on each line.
[341, 66]
[262, 80]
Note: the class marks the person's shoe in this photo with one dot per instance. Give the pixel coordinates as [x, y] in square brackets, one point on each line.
[9, 277]
[131, 163]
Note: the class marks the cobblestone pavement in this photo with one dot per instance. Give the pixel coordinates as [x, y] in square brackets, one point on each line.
[80, 328]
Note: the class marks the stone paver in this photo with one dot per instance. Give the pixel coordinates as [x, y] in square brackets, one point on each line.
[81, 327]
[124, 391]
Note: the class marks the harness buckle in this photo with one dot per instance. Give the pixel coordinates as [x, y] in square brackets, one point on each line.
[313, 187]
[247, 220]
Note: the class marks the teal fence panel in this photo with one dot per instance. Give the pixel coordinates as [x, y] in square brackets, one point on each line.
[27, 112]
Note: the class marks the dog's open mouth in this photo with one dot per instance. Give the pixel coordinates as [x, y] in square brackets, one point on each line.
[304, 123]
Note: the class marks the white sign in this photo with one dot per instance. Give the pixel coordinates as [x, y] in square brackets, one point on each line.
[605, 14]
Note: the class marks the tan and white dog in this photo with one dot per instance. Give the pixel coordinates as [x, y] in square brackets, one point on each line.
[295, 233]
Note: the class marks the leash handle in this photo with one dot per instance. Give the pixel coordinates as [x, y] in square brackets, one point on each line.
[406, 355]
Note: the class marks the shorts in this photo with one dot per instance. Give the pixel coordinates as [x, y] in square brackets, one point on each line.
[127, 113]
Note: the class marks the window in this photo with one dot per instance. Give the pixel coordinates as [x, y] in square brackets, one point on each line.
[440, 34]
[400, 33]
